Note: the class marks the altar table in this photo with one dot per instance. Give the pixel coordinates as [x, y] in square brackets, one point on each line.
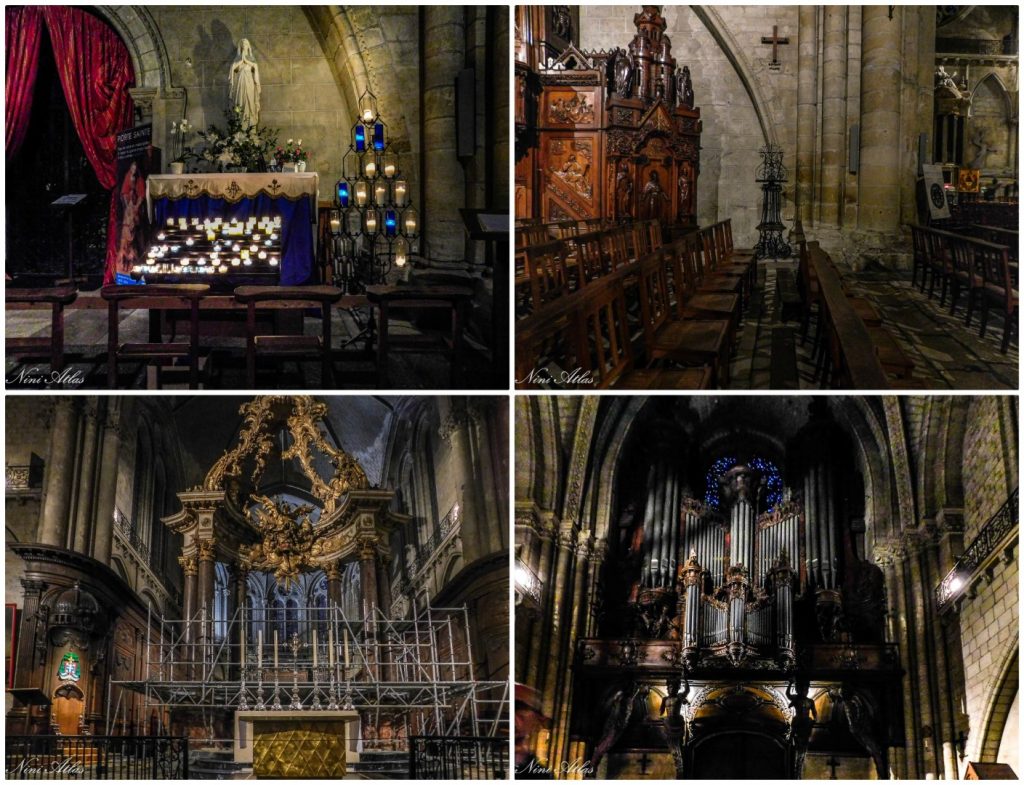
[291, 744]
[292, 195]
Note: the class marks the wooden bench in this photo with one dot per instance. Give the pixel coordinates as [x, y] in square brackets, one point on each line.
[387, 299]
[854, 358]
[52, 346]
[294, 347]
[153, 296]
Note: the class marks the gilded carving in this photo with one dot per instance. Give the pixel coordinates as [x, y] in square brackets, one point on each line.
[289, 544]
[189, 565]
[207, 549]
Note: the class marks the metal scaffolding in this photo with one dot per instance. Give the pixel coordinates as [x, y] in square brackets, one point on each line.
[414, 675]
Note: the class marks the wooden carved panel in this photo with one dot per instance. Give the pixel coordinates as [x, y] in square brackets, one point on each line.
[569, 107]
[570, 175]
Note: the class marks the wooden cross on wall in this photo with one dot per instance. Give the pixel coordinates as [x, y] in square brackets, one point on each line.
[775, 41]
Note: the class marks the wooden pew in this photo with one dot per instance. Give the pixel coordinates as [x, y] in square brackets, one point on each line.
[855, 362]
[55, 298]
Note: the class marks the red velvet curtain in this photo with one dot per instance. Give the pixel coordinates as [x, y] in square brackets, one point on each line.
[23, 32]
[96, 71]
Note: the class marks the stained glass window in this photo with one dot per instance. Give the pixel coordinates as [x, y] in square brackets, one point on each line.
[773, 489]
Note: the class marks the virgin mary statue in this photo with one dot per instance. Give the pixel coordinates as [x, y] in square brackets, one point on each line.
[245, 85]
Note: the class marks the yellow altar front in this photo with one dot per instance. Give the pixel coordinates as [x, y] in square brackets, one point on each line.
[297, 744]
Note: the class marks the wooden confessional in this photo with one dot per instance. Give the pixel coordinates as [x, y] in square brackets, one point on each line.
[610, 135]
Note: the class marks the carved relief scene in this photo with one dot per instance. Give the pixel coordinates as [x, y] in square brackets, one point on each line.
[766, 588]
[258, 588]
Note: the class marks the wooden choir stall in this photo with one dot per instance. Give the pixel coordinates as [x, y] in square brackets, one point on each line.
[611, 135]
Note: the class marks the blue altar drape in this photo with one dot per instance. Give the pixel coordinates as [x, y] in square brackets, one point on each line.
[296, 225]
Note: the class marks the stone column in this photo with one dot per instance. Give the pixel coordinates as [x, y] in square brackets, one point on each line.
[919, 662]
[500, 90]
[206, 585]
[240, 589]
[544, 578]
[103, 522]
[879, 186]
[384, 587]
[454, 431]
[53, 520]
[190, 568]
[87, 479]
[368, 575]
[885, 558]
[806, 111]
[444, 184]
[334, 571]
[833, 113]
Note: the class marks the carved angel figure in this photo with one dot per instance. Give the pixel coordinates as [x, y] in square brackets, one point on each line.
[289, 543]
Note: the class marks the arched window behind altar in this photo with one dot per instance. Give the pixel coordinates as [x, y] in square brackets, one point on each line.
[221, 587]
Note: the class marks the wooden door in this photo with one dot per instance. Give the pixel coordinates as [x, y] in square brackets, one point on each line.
[67, 709]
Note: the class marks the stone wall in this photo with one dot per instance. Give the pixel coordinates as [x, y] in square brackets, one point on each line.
[989, 631]
[989, 472]
[300, 96]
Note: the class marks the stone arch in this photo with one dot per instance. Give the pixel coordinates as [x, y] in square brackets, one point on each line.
[1000, 701]
[711, 20]
[118, 566]
[1001, 91]
[344, 41]
[137, 29]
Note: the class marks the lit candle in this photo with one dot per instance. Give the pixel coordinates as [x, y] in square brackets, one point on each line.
[256, 237]
[380, 193]
[210, 236]
[389, 169]
[259, 650]
[247, 261]
[410, 223]
[170, 222]
[367, 115]
[314, 647]
[201, 260]
[253, 248]
[161, 236]
[371, 222]
[235, 262]
[361, 193]
[273, 261]
[262, 255]
[371, 168]
[222, 269]
[335, 225]
[401, 253]
[273, 236]
[400, 193]
[189, 241]
[330, 646]
[195, 222]
[235, 247]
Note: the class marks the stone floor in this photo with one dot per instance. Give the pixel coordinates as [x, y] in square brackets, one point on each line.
[223, 364]
[946, 354]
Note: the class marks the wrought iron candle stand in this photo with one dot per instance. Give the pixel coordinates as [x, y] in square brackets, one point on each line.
[374, 223]
[771, 174]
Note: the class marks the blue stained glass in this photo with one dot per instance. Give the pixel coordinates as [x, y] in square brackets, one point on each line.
[773, 489]
[360, 138]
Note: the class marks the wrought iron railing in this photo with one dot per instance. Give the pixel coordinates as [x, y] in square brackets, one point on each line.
[130, 534]
[438, 536]
[95, 758]
[991, 536]
[458, 758]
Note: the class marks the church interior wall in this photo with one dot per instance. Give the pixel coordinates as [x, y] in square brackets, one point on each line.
[988, 476]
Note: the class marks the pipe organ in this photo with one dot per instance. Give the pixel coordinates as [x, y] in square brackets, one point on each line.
[729, 577]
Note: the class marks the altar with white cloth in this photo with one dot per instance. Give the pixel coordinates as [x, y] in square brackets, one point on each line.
[291, 195]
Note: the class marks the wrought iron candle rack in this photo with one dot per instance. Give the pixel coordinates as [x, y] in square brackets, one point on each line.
[771, 174]
[374, 224]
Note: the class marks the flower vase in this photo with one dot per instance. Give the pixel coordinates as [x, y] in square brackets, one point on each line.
[288, 167]
[300, 166]
[177, 167]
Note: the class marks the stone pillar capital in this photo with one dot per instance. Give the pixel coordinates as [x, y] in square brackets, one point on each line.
[189, 565]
